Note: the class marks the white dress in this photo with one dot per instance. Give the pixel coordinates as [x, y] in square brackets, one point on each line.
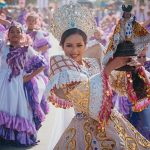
[16, 118]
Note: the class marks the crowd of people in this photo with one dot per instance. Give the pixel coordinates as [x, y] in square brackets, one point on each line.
[90, 72]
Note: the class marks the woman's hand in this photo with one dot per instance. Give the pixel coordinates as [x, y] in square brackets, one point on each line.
[27, 78]
[116, 63]
[134, 62]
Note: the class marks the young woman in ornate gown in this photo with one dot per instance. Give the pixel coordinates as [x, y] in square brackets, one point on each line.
[79, 82]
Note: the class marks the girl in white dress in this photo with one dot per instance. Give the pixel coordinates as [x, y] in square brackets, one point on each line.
[19, 63]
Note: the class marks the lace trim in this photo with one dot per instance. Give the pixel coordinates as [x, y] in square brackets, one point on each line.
[65, 77]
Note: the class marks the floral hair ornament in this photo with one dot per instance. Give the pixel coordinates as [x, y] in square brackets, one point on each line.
[73, 16]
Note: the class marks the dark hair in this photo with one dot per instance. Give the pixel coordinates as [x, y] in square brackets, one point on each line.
[70, 32]
[14, 26]
[139, 85]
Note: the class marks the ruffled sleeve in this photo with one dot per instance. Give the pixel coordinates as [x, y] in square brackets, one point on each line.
[63, 71]
[34, 61]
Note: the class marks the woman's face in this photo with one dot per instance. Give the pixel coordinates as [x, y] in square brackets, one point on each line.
[15, 34]
[31, 22]
[74, 47]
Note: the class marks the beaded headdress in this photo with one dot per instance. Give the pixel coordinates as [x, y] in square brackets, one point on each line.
[73, 16]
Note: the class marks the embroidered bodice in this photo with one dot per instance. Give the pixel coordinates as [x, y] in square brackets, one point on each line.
[84, 88]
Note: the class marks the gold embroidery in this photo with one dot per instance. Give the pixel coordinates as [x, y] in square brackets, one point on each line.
[70, 139]
[138, 30]
[111, 43]
[80, 97]
[131, 143]
[118, 82]
[90, 129]
[140, 139]
[106, 142]
[88, 136]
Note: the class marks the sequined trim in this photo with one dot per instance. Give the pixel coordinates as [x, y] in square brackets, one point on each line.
[87, 136]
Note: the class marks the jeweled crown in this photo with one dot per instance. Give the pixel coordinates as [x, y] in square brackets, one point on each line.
[73, 16]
